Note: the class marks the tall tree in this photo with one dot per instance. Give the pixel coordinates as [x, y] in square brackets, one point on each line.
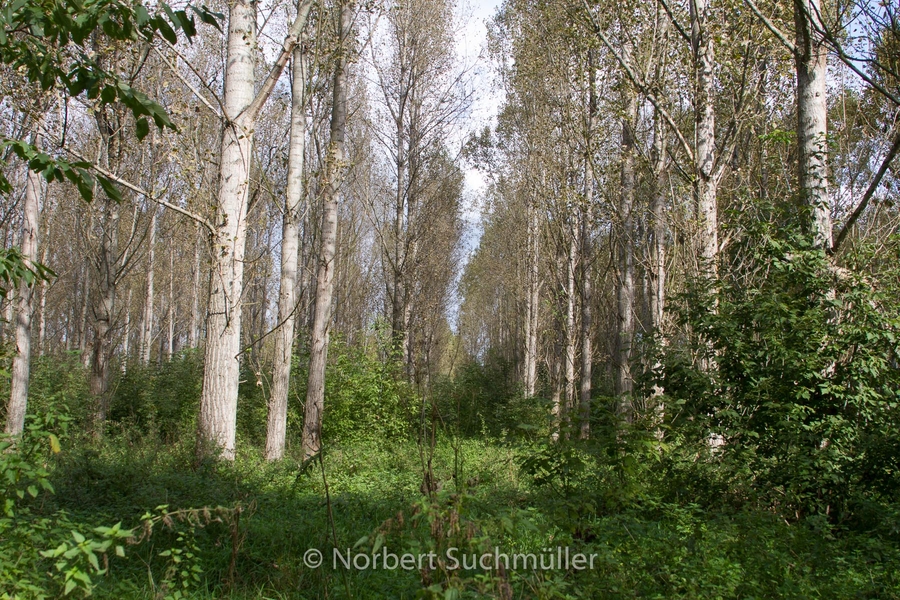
[811, 59]
[241, 107]
[290, 241]
[15, 414]
[335, 168]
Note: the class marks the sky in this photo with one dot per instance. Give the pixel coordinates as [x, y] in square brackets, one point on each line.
[473, 15]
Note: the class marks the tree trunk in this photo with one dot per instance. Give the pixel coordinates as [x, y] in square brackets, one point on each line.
[194, 332]
[705, 183]
[21, 367]
[571, 318]
[334, 170]
[587, 349]
[221, 370]
[658, 227]
[126, 339]
[107, 262]
[147, 320]
[532, 301]
[170, 347]
[812, 124]
[290, 241]
[625, 259]
[104, 310]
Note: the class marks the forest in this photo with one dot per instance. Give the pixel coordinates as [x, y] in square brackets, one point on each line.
[309, 299]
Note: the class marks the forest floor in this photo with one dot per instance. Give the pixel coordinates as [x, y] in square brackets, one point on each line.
[366, 498]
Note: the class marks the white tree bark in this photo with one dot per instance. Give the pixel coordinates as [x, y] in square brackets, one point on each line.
[147, 320]
[221, 368]
[532, 301]
[126, 338]
[290, 243]
[705, 181]
[218, 400]
[170, 346]
[334, 172]
[812, 118]
[572, 260]
[21, 368]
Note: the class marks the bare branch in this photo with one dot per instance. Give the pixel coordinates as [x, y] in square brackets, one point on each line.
[190, 86]
[290, 42]
[149, 195]
[771, 27]
[873, 187]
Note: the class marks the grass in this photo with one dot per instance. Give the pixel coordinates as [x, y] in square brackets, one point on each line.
[645, 548]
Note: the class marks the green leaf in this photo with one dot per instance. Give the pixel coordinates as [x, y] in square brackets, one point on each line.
[142, 128]
[111, 189]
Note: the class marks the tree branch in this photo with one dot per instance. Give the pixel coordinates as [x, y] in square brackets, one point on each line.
[771, 27]
[290, 41]
[873, 187]
[632, 76]
[149, 195]
[183, 80]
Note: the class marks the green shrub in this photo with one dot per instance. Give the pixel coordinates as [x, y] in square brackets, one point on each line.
[795, 368]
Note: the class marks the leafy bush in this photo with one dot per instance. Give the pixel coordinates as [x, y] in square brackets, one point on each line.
[160, 398]
[486, 398]
[794, 368]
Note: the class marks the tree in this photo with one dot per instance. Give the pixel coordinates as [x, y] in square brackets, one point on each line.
[241, 107]
[290, 240]
[15, 414]
[335, 168]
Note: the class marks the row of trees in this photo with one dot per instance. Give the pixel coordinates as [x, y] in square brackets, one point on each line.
[264, 212]
[634, 142]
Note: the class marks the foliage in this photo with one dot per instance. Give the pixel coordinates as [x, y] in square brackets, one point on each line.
[14, 269]
[24, 469]
[794, 369]
[364, 397]
[485, 398]
[50, 42]
[159, 397]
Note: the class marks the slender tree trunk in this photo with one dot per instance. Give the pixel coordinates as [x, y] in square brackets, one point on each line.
[83, 328]
[170, 348]
[126, 341]
[21, 367]
[334, 171]
[147, 320]
[625, 266]
[657, 228]
[42, 316]
[587, 349]
[194, 332]
[290, 241]
[533, 302]
[812, 118]
[571, 318]
[705, 182]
